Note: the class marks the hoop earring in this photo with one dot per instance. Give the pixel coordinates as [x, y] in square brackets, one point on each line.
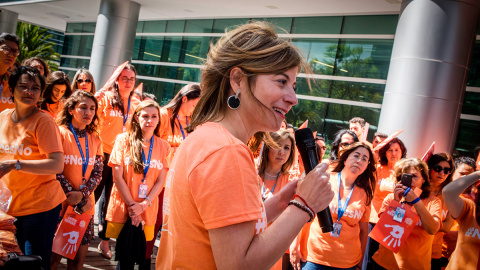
[233, 101]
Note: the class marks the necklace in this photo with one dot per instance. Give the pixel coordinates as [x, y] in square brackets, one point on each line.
[272, 176]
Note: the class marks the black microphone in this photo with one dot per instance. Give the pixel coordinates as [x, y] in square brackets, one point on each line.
[306, 146]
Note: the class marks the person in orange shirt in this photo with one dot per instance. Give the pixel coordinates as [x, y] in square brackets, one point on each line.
[389, 155]
[83, 80]
[463, 167]
[115, 108]
[274, 170]
[31, 153]
[466, 212]
[343, 138]
[57, 91]
[8, 54]
[416, 251]
[176, 116]
[441, 167]
[78, 123]
[213, 212]
[139, 168]
[37, 63]
[353, 181]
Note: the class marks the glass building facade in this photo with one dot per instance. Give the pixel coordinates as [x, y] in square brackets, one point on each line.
[349, 57]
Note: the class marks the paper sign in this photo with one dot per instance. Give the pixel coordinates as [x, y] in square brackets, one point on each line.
[387, 140]
[429, 153]
[365, 132]
[139, 88]
[304, 125]
[70, 233]
[114, 76]
[390, 233]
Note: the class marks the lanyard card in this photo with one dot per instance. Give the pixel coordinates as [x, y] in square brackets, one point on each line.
[142, 191]
[337, 228]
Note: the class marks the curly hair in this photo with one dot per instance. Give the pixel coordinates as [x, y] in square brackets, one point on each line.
[64, 116]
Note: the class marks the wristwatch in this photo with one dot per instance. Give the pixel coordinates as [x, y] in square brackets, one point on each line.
[18, 166]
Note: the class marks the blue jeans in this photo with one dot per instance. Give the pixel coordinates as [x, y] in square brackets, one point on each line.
[314, 266]
[35, 234]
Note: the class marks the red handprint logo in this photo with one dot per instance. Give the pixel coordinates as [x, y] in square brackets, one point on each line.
[71, 246]
[395, 235]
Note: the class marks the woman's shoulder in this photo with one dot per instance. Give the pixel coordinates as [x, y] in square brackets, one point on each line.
[163, 143]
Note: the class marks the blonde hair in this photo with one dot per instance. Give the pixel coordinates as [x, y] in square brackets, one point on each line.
[403, 165]
[256, 49]
[278, 136]
[135, 135]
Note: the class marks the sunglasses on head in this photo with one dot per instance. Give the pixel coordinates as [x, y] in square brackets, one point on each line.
[86, 80]
[439, 168]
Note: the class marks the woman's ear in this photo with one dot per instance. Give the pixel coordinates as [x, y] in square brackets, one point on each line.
[184, 99]
[236, 77]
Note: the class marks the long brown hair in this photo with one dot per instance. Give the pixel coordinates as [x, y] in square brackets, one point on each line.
[135, 135]
[55, 78]
[366, 180]
[278, 136]
[256, 49]
[64, 117]
[117, 102]
[437, 158]
[191, 91]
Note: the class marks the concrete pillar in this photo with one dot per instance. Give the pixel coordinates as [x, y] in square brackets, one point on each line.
[8, 21]
[428, 72]
[114, 37]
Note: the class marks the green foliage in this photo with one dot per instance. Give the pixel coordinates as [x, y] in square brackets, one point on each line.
[34, 42]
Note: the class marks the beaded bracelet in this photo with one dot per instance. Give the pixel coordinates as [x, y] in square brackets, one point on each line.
[306, 204]
[149, 201]
[414, 201]
[304, 208]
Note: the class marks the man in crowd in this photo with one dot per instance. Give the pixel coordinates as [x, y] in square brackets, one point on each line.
[357, 125]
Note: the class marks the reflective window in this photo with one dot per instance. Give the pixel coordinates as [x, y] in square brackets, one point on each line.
[148, 48]
[177, 26]
[198, 26]
[195, 50]
[474, 74]
[471, 103]
[467, 137]
[317, 25]
[220, 25]
[154, 26]
[373, 24]
[78, 45]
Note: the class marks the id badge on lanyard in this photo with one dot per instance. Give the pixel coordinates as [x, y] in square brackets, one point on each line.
[337, 226]
[143, 188]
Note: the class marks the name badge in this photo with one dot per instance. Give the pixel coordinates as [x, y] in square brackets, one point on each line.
[124, 128]
[337, 228]
[399, 213]
[142, 191]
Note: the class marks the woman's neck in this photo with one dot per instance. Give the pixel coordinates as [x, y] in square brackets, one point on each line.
[273, 169]
[348, 179]
[78, 125]
[236, 125]
[124, 95]
[435, 189]
[391, 165]
[147, 136]
[22, 113]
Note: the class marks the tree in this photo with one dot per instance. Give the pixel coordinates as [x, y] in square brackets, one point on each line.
[34, 41]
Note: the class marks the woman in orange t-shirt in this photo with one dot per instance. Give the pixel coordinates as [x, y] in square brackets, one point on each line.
[139, 167]
[415, 252]
[83, 80]
[353, 181]
[57, 91]
[389, 155]
[115, 107]
[441, 167]
[79, 125]
[213, 212]
[31, 153]
[467, 214]
[274, 170]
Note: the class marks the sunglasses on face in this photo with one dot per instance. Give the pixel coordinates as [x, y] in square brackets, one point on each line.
[438, 169]
[86, 80]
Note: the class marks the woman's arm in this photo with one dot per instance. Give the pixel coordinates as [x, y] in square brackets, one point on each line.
[296, 257]
[363, 240]
[237, 247]
[53, 164]
[447, 224]
[452, 192]
[430, 223]
[121, 185]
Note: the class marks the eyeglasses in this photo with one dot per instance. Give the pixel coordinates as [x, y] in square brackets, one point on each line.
[344, 144]
[8, 50]
[25, 88]
[82, 81]
[125, 79]
[359, 157]
[438, 169]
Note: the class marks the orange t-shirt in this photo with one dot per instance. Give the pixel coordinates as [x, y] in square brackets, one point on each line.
[208, 189]
[415, 252]
[54, 108]
[117, 209]
[438, 239]
[31, 139]
[6, 101]
[385, 185]
[112, 119]
[344, 251]
[466, 254]
[173, 137]
[72, 169]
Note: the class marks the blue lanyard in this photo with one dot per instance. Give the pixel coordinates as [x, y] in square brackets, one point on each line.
[273, 188]
[84, 160]
[181, 128]
[147, 163]
[125, 116]
[341, 210]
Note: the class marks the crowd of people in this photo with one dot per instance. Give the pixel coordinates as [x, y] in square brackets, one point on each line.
[215, 173]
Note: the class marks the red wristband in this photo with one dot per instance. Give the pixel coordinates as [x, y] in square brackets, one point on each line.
[306, 204]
